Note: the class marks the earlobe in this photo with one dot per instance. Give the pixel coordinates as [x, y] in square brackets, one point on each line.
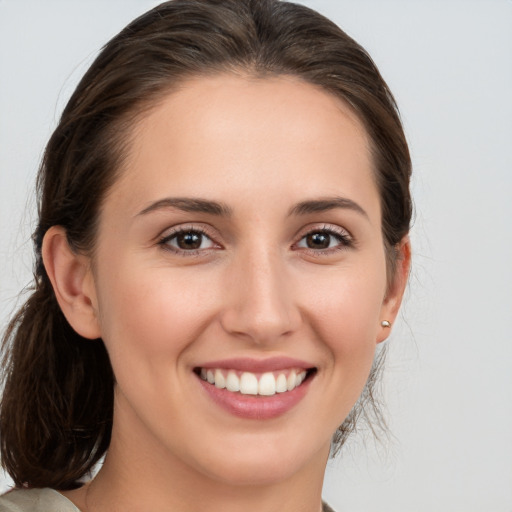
[395, 293]
[72, 282]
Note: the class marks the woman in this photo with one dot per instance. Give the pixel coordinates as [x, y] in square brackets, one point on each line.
[222, 243]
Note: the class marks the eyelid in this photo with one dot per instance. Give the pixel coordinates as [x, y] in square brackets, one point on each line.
[347, 239]
[205, 230]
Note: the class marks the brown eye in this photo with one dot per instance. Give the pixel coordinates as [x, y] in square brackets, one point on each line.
[318, 240]
[187, 241]
[325, 240]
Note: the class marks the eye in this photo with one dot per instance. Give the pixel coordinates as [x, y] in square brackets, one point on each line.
[188, 240]
[325, 239]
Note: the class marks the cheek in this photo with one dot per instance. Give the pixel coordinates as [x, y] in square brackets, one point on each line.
[347, 302]
[150, 316]
[345, 318]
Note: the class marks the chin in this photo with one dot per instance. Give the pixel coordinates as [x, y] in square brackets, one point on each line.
[263, 463]
[254, 474]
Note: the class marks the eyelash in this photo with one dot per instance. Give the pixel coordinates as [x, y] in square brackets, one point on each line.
[164, 241]
[345, 240]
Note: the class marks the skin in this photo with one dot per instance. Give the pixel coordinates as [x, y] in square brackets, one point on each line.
[254, 289]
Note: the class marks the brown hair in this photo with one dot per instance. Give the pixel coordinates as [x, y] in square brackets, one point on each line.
[56, 413]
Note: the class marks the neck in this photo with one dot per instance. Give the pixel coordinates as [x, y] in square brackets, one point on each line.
[102, 493]
[147, 477]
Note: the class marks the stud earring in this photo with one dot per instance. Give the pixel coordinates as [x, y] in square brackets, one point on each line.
[385, 323]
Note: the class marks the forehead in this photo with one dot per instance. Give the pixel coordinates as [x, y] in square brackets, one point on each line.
[237, 135]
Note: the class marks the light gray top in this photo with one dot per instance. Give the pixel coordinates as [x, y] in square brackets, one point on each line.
[47, 500]
[35, 500]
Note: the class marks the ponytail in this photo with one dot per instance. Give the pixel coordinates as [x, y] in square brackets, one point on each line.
[56, 412]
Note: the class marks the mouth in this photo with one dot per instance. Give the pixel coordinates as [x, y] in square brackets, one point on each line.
[256, 389]
[262, 384]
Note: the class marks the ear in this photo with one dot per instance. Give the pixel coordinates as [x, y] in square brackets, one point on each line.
[72, 281]
[396, 288]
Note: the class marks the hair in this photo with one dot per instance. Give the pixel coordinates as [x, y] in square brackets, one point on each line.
[57, 408]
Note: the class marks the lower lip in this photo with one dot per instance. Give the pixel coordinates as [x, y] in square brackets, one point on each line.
[256, 407]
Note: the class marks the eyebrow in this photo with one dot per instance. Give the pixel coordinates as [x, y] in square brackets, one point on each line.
[190, 205]
[326, 204]
[197, 205]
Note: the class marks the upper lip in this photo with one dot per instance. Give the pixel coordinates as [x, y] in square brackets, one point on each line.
[246, 364]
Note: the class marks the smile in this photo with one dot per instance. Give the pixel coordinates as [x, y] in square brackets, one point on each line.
[256, 389]
[248, 383]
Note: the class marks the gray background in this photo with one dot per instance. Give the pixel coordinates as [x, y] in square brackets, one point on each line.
[448, 386]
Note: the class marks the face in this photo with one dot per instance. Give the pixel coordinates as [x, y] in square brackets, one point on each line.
[241, 247]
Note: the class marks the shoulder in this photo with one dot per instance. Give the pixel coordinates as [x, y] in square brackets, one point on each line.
[40, 500]
[35, 500]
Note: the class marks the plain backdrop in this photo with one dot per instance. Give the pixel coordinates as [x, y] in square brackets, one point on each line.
[448, 386]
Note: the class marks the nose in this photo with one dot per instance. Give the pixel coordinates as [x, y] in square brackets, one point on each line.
[260, 305]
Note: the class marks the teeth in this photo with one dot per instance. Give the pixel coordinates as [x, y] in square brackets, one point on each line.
[281, 385]
[220, 381]
[291, 380]
[232, 382]
[268, 384]
[248, 384]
